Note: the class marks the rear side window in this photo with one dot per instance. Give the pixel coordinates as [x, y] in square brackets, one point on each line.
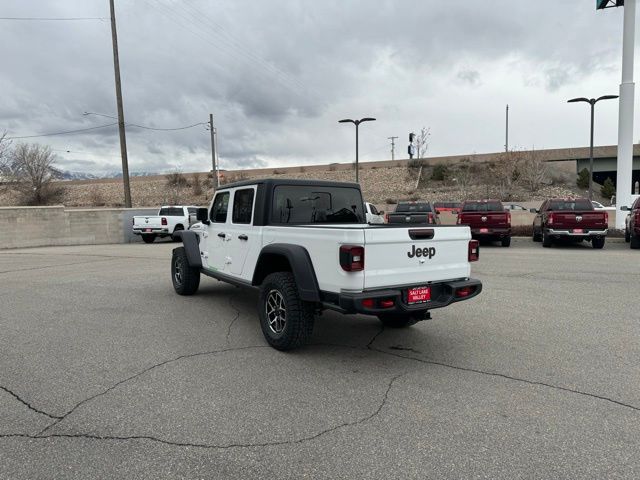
[242, 206]
[483, 207]
[317, 204]
[413, 207]
[192, 210]
[171, 212]
[219, 208]
[373, 208]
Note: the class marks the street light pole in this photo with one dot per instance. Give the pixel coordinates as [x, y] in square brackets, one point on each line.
[592, 102]
[357, 124]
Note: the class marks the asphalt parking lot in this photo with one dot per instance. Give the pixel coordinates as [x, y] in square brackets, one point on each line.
[106, 373]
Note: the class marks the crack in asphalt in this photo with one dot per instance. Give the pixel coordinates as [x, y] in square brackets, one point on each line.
[43, 267]
[369, 345]
[27, 404]
[140, 373]
[151, 438]
[233, 320]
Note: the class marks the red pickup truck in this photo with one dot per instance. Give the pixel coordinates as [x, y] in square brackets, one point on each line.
[572, 219]
[632, 226]
[488, 220]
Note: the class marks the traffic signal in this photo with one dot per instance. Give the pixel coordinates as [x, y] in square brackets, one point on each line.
[412, 137]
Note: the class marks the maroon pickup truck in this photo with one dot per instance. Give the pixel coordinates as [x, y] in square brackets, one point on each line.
[572, 219]
[488, 220]
[632, 226]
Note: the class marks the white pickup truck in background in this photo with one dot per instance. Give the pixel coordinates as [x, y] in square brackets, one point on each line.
[307, 247]
[170, 219]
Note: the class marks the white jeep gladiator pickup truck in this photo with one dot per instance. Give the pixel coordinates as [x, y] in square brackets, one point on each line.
[307, 247]
[170, 219]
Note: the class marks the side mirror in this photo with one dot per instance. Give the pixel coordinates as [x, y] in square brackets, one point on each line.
[202, 214]
[381, 212]
[625, 208]
[534, 210]
[437, 212]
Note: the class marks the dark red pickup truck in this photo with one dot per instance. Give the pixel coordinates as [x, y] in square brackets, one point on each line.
[413, 212]
[572, 219]
[488, 220]
[632, 226]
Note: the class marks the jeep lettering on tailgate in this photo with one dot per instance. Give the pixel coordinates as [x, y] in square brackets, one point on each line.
[421, 252]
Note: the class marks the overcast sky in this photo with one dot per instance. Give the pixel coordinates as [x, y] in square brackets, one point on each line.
[279, 74]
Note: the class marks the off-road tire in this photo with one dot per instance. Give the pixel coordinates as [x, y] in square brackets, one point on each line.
[177, 229]
[505, 241]
[546, 240]
[148, 238]
[185, 278]
[397, 320]
[634, 241]
[598, 243]
[298, 314]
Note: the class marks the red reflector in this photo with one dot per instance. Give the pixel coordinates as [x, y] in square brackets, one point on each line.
[465, 291]
[368, 303]
[474, 250]
[388, 303]
[351, 258]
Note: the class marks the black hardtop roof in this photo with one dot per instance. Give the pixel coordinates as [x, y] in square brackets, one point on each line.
[272, 182]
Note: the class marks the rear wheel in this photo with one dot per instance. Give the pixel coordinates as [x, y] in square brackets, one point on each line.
[506, 241]
[398, 320]
[537, 237]
[177, 229]
[285, 319]
[546, 240]
[597, 243]
[185, 278]
[627, 236]
[149, 238]
[634, 241]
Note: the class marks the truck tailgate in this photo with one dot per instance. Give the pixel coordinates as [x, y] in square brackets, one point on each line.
[394, 258]
[586, 219]
[482, 219]
[147, 222]
[409, 217]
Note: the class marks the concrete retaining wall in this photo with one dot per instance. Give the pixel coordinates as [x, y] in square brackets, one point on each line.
[47, 226]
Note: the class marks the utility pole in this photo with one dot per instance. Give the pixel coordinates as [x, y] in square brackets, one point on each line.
[506, 136]
[393, 147]
[212, 129]
[123, 138]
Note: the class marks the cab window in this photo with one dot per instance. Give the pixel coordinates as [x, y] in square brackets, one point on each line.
[242, 206]
[219, 208]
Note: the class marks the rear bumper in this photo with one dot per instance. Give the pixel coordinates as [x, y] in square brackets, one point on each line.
[154, 231]
[585, 233]
[442, 294]
[491, 232]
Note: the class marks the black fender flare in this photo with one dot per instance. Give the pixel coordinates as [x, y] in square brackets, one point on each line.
[191, 246]
[301, 267]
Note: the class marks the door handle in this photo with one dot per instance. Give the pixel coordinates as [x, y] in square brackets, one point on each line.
[243, 237]
[222, 235]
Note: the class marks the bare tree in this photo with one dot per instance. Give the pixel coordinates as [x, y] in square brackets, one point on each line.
[464, 177]
[422, 142]
[533, 170]
[28, 169]
[505, 172]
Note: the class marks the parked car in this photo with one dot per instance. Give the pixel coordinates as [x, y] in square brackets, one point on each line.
[373, 214]
[487, 219]
[306, 246]
[514, 207]
[414, 212]
[599, 206]
[572, 219]
[170, 219]
[453, 207]
[632, 228]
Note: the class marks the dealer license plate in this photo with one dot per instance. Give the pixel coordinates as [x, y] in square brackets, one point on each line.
[577, 230]
[418, 295]
[484, 230]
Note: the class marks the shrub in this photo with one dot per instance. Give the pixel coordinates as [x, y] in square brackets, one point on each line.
[96, 199]
[276, 172]
[440, 173]
[332, 167]
[415, 163]
[196, 184]
[390, 201]
[583, 178]
[176, 179]
[302, 169]
[608, 189]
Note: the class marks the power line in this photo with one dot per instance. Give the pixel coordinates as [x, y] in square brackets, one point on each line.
[47, 19]
[62, 133]
[144, 126]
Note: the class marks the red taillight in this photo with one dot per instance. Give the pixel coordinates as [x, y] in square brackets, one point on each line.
[431, 218]
[474, 250]
[465, 292]
[550, 219]
[164, 221]
[509, 218]
[459, 219]
[387, 303]
[606, 217]
[351, 258]
[386, 218]
[368, 303]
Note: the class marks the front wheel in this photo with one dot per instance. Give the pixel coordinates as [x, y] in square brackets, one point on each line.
[185, 278]
[506, 241]
[397, 320]
[285, 319]
[597, 243]
[149, 238]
